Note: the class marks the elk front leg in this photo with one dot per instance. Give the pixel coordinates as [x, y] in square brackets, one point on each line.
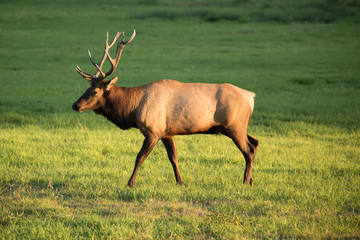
[169, 144]
[147, 147]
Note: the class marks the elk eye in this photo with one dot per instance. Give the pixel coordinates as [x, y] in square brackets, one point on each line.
[94, 93]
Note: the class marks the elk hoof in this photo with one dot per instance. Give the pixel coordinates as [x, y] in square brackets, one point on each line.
[248, 182]
[180, 184]
[129, 185]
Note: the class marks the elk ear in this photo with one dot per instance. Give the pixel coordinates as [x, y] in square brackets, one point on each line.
[111, 83]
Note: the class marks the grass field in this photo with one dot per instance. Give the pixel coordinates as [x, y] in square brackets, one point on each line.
[63, 174]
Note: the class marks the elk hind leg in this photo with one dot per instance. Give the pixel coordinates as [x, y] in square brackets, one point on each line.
[248, 147]
[252, 146]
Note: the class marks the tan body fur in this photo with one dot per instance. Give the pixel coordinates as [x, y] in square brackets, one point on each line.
[183, 108]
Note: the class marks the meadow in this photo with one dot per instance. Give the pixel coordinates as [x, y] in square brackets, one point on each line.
[63, 174]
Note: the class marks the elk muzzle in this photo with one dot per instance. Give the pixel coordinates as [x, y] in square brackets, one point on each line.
[76, 107]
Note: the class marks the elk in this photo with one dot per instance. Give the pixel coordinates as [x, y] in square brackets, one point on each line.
[165, 108]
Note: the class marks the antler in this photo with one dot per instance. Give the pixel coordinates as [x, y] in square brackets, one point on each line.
[100, 75]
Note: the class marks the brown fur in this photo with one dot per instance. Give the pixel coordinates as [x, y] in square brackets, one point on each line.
[166, 108]
[119, 106]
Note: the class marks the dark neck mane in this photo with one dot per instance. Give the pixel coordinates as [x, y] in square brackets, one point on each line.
[120, 106]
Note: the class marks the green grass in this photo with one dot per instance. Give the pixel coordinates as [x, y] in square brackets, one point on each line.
[63, 174]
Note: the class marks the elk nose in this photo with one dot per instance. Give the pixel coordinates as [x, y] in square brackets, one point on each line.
[75, 107]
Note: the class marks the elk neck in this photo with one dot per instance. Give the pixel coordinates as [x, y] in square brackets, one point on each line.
[120, 105]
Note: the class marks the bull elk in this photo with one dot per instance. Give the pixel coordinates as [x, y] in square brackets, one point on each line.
[165, 108]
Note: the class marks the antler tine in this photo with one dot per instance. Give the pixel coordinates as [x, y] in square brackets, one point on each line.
[131, 38]
[120, 45]
[97, 66]
[84, 74]
[114, 40]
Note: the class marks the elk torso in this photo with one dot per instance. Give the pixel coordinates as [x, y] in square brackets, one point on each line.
[167, 107]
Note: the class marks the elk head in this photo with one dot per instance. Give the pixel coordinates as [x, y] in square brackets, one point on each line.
[94, 96]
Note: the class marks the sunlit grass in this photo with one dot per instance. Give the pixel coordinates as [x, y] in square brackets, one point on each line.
[303, 186]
